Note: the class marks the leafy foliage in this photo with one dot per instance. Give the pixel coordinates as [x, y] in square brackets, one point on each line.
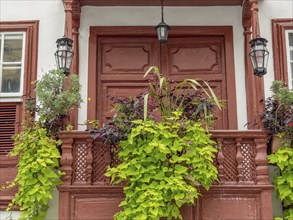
[127, 110]
[187, 95]
[278, 115]
[283, 158]
[163, 163]
[37, 171]
[36, 146]
[164, 97]
[57, 95]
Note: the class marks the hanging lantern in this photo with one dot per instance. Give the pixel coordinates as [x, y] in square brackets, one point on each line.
[64, 54]
[259, 56]
[162, 28]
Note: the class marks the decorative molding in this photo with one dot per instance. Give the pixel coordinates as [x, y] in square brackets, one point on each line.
[279, 26]
[254, 84]
[157, 3]
[72, 24]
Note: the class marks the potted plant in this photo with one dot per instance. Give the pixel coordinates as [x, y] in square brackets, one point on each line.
[164, 147]
[278, 115]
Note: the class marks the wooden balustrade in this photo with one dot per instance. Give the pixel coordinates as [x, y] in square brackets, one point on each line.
[241, 159]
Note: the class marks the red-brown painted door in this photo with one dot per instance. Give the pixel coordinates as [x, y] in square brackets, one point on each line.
[123, 60]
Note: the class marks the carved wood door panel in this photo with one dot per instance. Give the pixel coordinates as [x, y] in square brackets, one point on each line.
[198, 58]
[123, 60]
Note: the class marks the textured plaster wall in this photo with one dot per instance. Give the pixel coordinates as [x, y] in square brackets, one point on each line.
[179, 16]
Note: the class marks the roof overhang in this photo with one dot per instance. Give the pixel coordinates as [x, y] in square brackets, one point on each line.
[158, 2]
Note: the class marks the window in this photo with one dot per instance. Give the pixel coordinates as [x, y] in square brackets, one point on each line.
[289, 49]
[18, 68]
[283, 50]
[12, 46]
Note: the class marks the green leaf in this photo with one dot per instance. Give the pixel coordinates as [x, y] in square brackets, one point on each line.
[180, 169]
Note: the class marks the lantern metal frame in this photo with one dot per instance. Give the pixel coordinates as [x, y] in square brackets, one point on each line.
[162, 28]
[64, 54]
[259, 56]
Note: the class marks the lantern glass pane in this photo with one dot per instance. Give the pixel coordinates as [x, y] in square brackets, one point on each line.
[259, 58]
[159, 33]
[253, 59]
[163, 32]
[68, 60]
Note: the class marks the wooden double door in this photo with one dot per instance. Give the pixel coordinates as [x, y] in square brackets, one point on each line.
[122, 55]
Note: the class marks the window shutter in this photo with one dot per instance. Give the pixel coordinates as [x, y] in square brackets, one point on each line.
[7, 127]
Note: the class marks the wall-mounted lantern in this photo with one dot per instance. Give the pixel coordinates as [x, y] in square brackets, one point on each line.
[162, 28]
[64, 54]
[259, 56]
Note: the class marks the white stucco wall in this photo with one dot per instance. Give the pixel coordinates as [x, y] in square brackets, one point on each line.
[174, 16]
[51, 25]
[268, 10]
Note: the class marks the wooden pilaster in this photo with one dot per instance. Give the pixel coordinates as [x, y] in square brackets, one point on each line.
[254, 84]
[72, 24]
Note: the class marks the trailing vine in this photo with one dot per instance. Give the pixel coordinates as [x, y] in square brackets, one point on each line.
[283, 182]
[163, 163]
[37, 145]
[37, 171]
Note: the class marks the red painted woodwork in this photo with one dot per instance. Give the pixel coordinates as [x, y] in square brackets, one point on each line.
[8, 171]
[7, 164]
[122, 62]
[254, 84]
[243, 179]
[157, 2]
[8, 117]
[72, 10]
[118, 61]
[9, 125]
[198, 58]
[279, 26]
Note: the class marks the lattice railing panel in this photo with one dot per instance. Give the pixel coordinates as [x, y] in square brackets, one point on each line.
[79, 162]
[248, 164]
[240, 160]
[230, 163]
[101, 160]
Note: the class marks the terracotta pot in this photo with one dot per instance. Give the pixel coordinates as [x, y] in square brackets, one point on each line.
[277, 142]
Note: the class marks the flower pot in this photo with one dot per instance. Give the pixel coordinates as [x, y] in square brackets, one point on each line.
[277, 142]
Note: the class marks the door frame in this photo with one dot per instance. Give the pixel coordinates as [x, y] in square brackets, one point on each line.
[225, 31]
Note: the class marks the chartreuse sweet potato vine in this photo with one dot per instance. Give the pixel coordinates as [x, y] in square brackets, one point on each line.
[283, 158]
[36, 146]
[163, 163]
[38, 175]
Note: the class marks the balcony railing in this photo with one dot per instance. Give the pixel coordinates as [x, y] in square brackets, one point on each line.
[241, 158]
